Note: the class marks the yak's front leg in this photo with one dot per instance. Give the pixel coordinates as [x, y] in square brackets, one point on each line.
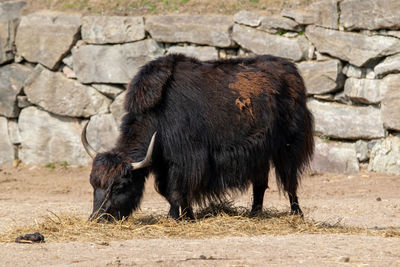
[187, 210]
[174, 211]
[260, 184]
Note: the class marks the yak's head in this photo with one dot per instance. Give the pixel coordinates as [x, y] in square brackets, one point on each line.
[118, 183]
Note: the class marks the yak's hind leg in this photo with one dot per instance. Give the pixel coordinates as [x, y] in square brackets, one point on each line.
[294, 205]
[260, 184]
[288, 170]
[288, 177]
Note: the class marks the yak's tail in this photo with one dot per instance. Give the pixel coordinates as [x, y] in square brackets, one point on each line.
[296, 139]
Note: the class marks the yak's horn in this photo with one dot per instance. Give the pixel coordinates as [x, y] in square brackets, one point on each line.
[146, 161]
[90, 150]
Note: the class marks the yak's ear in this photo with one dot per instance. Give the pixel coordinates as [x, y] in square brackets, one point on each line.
[146, 89]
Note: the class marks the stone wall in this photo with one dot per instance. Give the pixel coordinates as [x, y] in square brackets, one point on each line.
[58, 71]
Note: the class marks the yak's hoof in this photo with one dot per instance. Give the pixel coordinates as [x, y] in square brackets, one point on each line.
[297, 212]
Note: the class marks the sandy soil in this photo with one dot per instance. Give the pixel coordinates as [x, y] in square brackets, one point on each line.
[367, 200]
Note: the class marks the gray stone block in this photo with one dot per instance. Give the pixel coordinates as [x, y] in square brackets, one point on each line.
[326, 13]
[346, 122]
[6, 147]
[10, 13]
[50, 138]
[117, 108]
[102, 132]
[390, 64]
[112, 29]
[213, 30]
[12, 78]
[113, 64]
[46, 37]
[362, 150]
[13, 132]
[370, 14]
[322, 77]
[62, 96]
[391, 103]
[248, 18]
[10, 10]
[264, 43]
[352, 71]
[300, 15]
[385, 156]
[358, 49]
[274, 24]
[334, 157]
[111, 91]
[365, 91]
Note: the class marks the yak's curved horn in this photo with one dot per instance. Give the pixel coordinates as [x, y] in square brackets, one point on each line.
[90, 150]
[146, 161]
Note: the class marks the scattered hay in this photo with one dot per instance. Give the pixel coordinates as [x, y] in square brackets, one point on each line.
[215, 221]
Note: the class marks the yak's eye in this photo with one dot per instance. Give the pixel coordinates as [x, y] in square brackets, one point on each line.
[117, 189]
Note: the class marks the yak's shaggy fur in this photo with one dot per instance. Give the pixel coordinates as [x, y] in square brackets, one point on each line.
[219, 126]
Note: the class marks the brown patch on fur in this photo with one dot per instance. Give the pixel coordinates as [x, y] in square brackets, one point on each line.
[244, 105]
[248, 85]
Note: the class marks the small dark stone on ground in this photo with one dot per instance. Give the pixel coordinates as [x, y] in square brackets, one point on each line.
[378, 199]
[344, 259]
[30, 238]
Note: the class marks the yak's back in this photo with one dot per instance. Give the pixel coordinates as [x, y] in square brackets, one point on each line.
[147, 87]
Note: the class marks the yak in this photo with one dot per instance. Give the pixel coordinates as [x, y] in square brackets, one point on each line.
[205, 130]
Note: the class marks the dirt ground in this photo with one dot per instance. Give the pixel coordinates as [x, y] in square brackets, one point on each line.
[367, 200]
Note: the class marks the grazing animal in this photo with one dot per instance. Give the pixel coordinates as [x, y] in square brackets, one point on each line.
[205, 129]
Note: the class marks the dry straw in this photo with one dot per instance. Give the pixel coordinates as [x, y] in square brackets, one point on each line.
[213, 222]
